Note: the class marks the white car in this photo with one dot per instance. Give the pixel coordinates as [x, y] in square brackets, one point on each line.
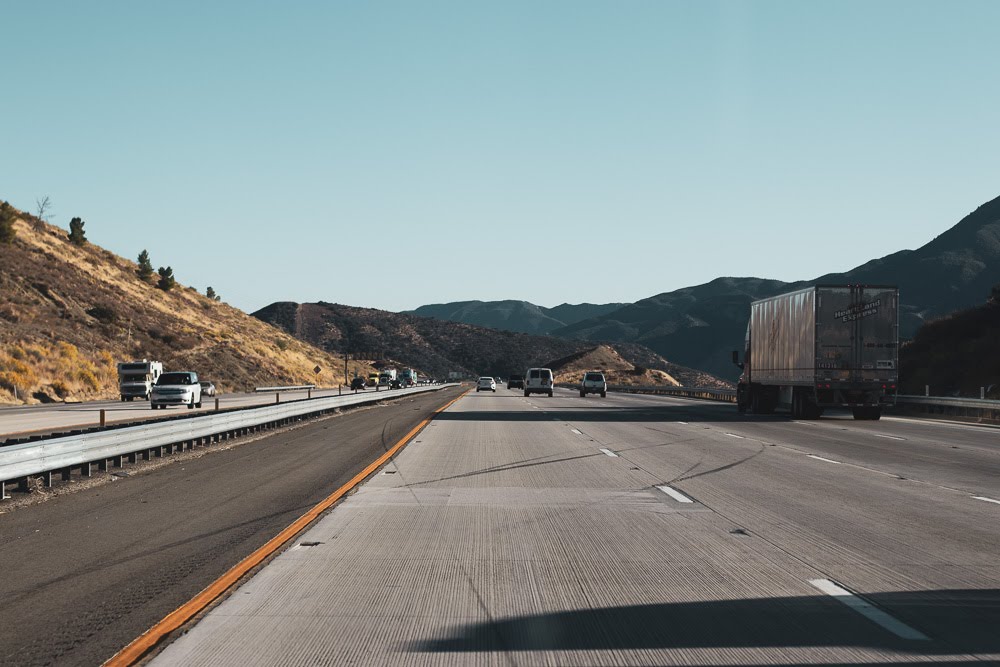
[538, 381]
[486, 384]
[176, 388]
[594, 383]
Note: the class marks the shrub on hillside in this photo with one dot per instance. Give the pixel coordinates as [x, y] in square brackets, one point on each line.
[103, 314]
[7, 232]
[166, 281]
[145, 271]
[76, 234]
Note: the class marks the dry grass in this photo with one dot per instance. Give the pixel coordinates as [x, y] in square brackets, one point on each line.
[68, 313]
[616, 369]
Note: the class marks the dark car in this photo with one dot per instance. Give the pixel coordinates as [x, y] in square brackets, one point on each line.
[395, 384]
[515, 381]
[358, 383]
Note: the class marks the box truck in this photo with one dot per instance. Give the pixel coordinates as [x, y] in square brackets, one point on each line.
[821, 347]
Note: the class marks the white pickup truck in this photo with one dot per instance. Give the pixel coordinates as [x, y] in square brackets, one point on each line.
[593, 383]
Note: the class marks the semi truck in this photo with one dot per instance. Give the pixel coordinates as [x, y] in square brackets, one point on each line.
[386, 377]
[408, 377]
[136, 378]
[821, 347]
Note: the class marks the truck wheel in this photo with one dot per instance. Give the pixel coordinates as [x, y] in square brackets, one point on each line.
[198, 404]
[152, 406]
[583, 394]
[527, 393]
[604, 394]
[550, 393]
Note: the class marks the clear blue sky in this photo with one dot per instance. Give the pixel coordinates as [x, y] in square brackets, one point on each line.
[391, 154]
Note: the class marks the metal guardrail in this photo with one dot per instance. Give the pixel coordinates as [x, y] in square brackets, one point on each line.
[298, 387]
[950, 400]
[63, 454]
[708, 393]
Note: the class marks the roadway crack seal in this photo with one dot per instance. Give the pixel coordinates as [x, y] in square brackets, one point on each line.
[197, 606]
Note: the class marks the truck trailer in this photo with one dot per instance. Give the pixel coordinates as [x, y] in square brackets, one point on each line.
[821, 347]
[136, 378]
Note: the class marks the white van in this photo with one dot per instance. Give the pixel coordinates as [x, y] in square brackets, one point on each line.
[538, 381]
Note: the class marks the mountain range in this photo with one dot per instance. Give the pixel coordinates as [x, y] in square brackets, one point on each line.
[520, 316]
[698, 326]
[438, 347]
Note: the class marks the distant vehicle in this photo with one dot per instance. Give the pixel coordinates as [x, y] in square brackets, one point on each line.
[498, 379]
[408, 377]
[593, 383]
[207, 388]
[358, 383]
[395, 384]
[387, 374]
[372, 380]
[136, 378]
[383, 381]
[819, 347]
[538, 381]
[515, 381]
[176, 388]
[486, 384]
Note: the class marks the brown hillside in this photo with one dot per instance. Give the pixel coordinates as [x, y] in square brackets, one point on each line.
[616, 369]
[68, 313]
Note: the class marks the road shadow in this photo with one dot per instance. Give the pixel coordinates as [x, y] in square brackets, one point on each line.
[637, 414]
[957, 621]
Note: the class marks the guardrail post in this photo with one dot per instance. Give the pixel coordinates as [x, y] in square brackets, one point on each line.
[927, 390]
[216, 404]
[277, 397]
[309, 393]
[104, 420]
[85, 469]
[982, 393]
[47, 479]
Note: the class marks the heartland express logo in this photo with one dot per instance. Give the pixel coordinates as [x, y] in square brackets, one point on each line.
[856, 312]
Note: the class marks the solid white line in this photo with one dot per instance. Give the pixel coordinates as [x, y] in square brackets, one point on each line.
[609, 453]
[820, 458]
[576, 431]
[682, 422]
[989, 500]
[805, 423]
[733, 435]
[675, 494]
[893, 437]
[868, 610]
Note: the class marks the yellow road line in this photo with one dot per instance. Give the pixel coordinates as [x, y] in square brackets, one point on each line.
[175, 619]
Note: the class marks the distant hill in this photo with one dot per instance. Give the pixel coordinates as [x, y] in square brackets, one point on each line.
[437, 347]
[519, 316]
[616, 369]
[68, 313]
[956, 354]
[432, 346]
[698, 326]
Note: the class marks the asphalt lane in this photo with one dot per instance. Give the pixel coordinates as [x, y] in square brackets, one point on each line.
[23, 419]
[639, 530]
[86, 573]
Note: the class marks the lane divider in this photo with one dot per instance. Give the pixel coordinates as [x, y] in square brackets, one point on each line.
[868, 610]
[177, 618]
[820, 458]
[608, 452]
[989, 500]
[675, 494]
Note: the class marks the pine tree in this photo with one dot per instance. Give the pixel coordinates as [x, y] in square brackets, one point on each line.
[166, 281]
[7, 232]
[145, 266]
[76, 233]
[210, 293]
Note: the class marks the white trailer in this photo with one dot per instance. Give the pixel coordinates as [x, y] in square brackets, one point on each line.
[136, 378]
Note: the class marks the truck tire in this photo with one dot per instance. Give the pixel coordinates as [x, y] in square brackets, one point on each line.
[550, 393]
[604, 394]
[152, 406]
[583, 394]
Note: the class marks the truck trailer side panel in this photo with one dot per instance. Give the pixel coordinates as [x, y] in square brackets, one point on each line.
[783, 347]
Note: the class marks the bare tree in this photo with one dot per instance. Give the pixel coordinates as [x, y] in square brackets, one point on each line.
[43, 210]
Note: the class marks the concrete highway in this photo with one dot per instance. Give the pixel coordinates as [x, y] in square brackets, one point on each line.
[638, 530]
[62, 416]
[86, 572]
